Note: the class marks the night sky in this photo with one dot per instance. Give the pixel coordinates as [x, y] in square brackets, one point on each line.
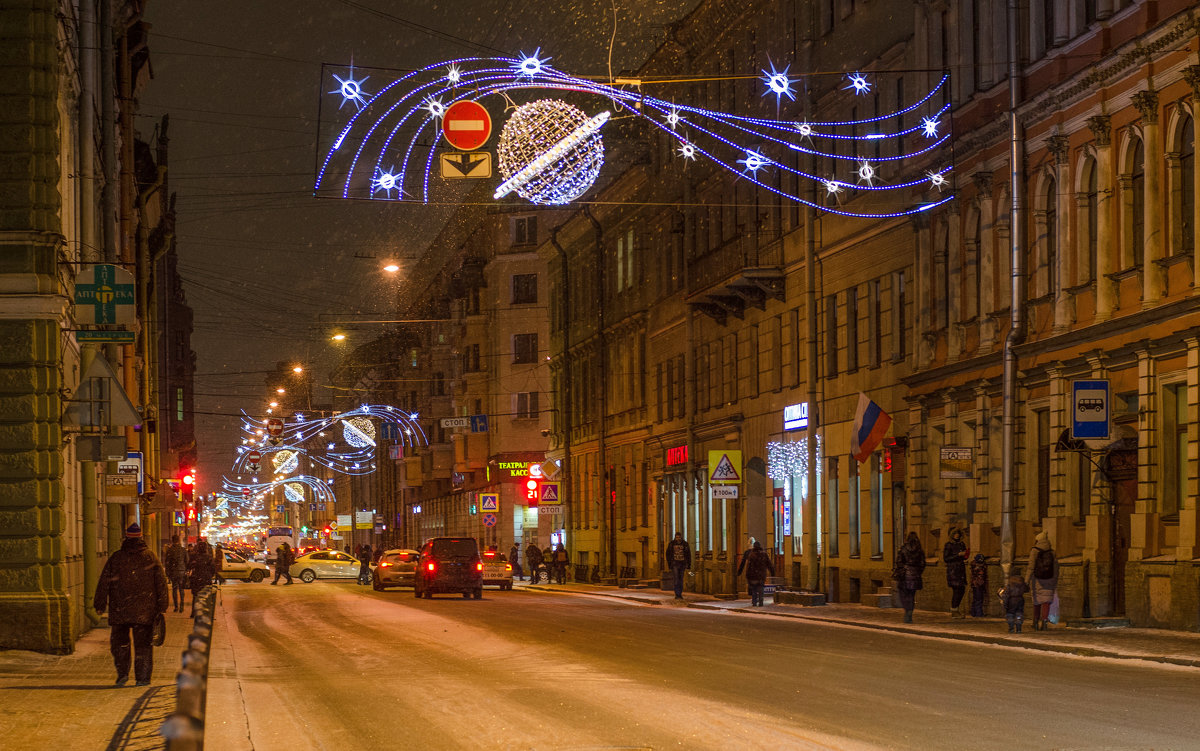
[264, 263]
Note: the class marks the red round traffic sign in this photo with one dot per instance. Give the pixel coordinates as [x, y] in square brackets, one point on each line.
[274, 425]
[254, 457]
[466, 125]
[246, 492]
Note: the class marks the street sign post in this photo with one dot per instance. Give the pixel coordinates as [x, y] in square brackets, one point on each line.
[1090, 410]
[466, 125]
[724, 467]
[455, 422]
[489, 502]
[489, 520]
[479, 423]
[274, 426]
[457, 164]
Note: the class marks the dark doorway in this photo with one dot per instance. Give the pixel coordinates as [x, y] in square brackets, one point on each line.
[1122, 471]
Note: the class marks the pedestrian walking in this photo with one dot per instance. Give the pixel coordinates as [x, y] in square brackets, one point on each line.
[1013, 598]
[954, 555]
[757, 564]
[284, 558]
[1043, 579]
[679, 558]
[201, 569]
[979, 585]
[364, 564]
[514, 557]
[910, 564]
[175, 561]
[561, 559]
[133, 589]
[533, 560]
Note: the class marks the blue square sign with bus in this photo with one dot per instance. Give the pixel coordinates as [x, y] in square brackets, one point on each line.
[1090, 409]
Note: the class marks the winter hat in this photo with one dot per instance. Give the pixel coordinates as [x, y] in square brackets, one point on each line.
[757, 545]
[1042, 537]
[979, 558]
[133, 530]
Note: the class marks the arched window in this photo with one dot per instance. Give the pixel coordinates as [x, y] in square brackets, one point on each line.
[1137, 206]
[1091, 222]
[1051, 198]
[1187, 185]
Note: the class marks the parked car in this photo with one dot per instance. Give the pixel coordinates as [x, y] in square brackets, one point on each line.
[325, 564]
[497, 570]
[231, 565]
[449, 564]
[396, 568]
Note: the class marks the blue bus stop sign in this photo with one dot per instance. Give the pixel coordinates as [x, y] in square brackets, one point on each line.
[1090, 409]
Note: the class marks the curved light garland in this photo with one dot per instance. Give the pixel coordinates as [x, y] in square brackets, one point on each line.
[320, 490]
[390, 135]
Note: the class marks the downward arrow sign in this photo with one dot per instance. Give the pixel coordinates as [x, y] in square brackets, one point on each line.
[466, 163]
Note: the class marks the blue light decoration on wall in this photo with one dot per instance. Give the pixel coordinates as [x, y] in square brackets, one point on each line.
[550, 151]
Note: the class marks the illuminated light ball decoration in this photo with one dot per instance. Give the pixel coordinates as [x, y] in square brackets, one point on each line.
[286, 462]
[294, 492]
[359, 432]
[550, 152]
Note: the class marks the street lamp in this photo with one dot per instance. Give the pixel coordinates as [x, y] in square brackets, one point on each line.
[391, 268]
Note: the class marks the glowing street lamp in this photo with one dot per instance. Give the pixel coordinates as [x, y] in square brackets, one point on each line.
[391, 268]
[339, 337]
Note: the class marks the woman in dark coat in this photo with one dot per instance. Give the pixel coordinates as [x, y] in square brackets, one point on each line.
[910, 564]
[202, 568]
[955, 554]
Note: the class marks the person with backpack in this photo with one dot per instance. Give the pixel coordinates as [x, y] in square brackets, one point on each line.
[533, 561]
[176, 564]
[910, 565]
[979, 584]
[1013, 599]
[757, 564]
[561, 559]
[1043, 579]
[364, 564]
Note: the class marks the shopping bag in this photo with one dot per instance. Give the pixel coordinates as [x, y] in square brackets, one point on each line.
[159, 634]
[1053, 616]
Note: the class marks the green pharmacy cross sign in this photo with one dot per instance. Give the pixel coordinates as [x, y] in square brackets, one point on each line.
[104, 294]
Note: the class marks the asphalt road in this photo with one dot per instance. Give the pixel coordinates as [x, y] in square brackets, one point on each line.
[333, 665]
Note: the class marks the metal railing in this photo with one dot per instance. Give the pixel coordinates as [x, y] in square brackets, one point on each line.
[184, 728]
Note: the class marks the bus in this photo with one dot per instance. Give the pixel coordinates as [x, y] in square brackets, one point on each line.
[276, 536]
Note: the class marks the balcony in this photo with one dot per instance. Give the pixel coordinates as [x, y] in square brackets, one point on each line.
[739, 274]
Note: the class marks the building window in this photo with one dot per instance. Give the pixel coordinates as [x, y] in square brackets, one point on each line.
[525, 348]
[412, 357]
[876, 504]
[625, 261]
[831, 336]
[1051, 198]
[852, 502]
[472, 359]
[179, 405]
[1136, 208]
[527, 404]
[1083, 488]
[1175, 448]
[1187, 186]
[1091, 222]
[524, 289]
[831, 504]
[852, 329]
[1043, 464]
[899, 317]
[439, 384]
[525, 230]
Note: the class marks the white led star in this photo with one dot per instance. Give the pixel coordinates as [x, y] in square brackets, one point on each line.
[754, 161]
[859, 83]
[832, 187]
[387, 182]
[435, 107]
[866, 172]
[453, 74]
[673, 118]
[687, 150]
[936, 180]
[778, 83]
[351, 89]
[930, 124]
[804, 129]
[531, 65]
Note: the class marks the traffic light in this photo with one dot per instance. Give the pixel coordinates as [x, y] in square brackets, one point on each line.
[533, 491]
[191, 512]
[328, 531]
[187, 484]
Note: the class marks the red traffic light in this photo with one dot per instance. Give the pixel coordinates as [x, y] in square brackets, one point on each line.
[189, 479]
[533, 491]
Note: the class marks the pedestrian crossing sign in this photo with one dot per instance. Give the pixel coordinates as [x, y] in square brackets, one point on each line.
[724, 466]
[489, 502]
[549, 494]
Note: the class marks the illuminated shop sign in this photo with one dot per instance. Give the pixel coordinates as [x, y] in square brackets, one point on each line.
[795, 416]
[522, 469]
[677, 455]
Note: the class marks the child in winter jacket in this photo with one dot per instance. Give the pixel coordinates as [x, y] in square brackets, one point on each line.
[979, 584]
[1013, 596]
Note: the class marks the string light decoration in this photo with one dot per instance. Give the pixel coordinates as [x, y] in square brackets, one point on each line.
[285, 461]
[551, 152]
[790, 458]
[359, 432]
[321, 492]
[294, 492]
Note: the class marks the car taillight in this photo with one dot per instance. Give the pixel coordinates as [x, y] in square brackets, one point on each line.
[430, 566]
[384, 564]
[479, 566]
[508, 567]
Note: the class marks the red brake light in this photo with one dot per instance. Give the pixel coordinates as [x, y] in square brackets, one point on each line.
[490, 554]
[479, 566]
[430, 566]
[508, 567]
[384, 564]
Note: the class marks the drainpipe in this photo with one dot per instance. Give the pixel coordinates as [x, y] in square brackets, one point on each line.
[1016, 332]
[608, 533]
[565, 412]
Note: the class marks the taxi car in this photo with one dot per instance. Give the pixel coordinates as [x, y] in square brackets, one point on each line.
[396, 568]
[496, 569]
[231, 565]
[324, 564]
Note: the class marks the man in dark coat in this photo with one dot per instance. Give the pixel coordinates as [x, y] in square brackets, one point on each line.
[284, 558]
[364, 564]
[176, 562]
[757, 564]
[533, 560]
[202, 568]
[910, 565]
[133, 589]
[561, 559]
[679, 559]
[514, 557]
[955, 554]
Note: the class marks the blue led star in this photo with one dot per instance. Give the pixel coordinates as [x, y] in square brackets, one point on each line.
[930, 126]
[859, 83]
[754, 161]
[351, 89]
[778, 83]
[531, 65]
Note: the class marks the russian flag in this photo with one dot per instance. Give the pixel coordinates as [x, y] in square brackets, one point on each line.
[871, 424]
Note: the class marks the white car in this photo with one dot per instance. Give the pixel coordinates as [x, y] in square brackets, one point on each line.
[230, 565]
[325, 564]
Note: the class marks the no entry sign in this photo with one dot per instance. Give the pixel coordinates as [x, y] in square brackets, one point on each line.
[466, 125]
[254, 457]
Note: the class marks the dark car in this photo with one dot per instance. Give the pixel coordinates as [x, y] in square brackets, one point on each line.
[449, 564]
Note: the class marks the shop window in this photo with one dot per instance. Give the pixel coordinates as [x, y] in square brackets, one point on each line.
[1175, 474]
